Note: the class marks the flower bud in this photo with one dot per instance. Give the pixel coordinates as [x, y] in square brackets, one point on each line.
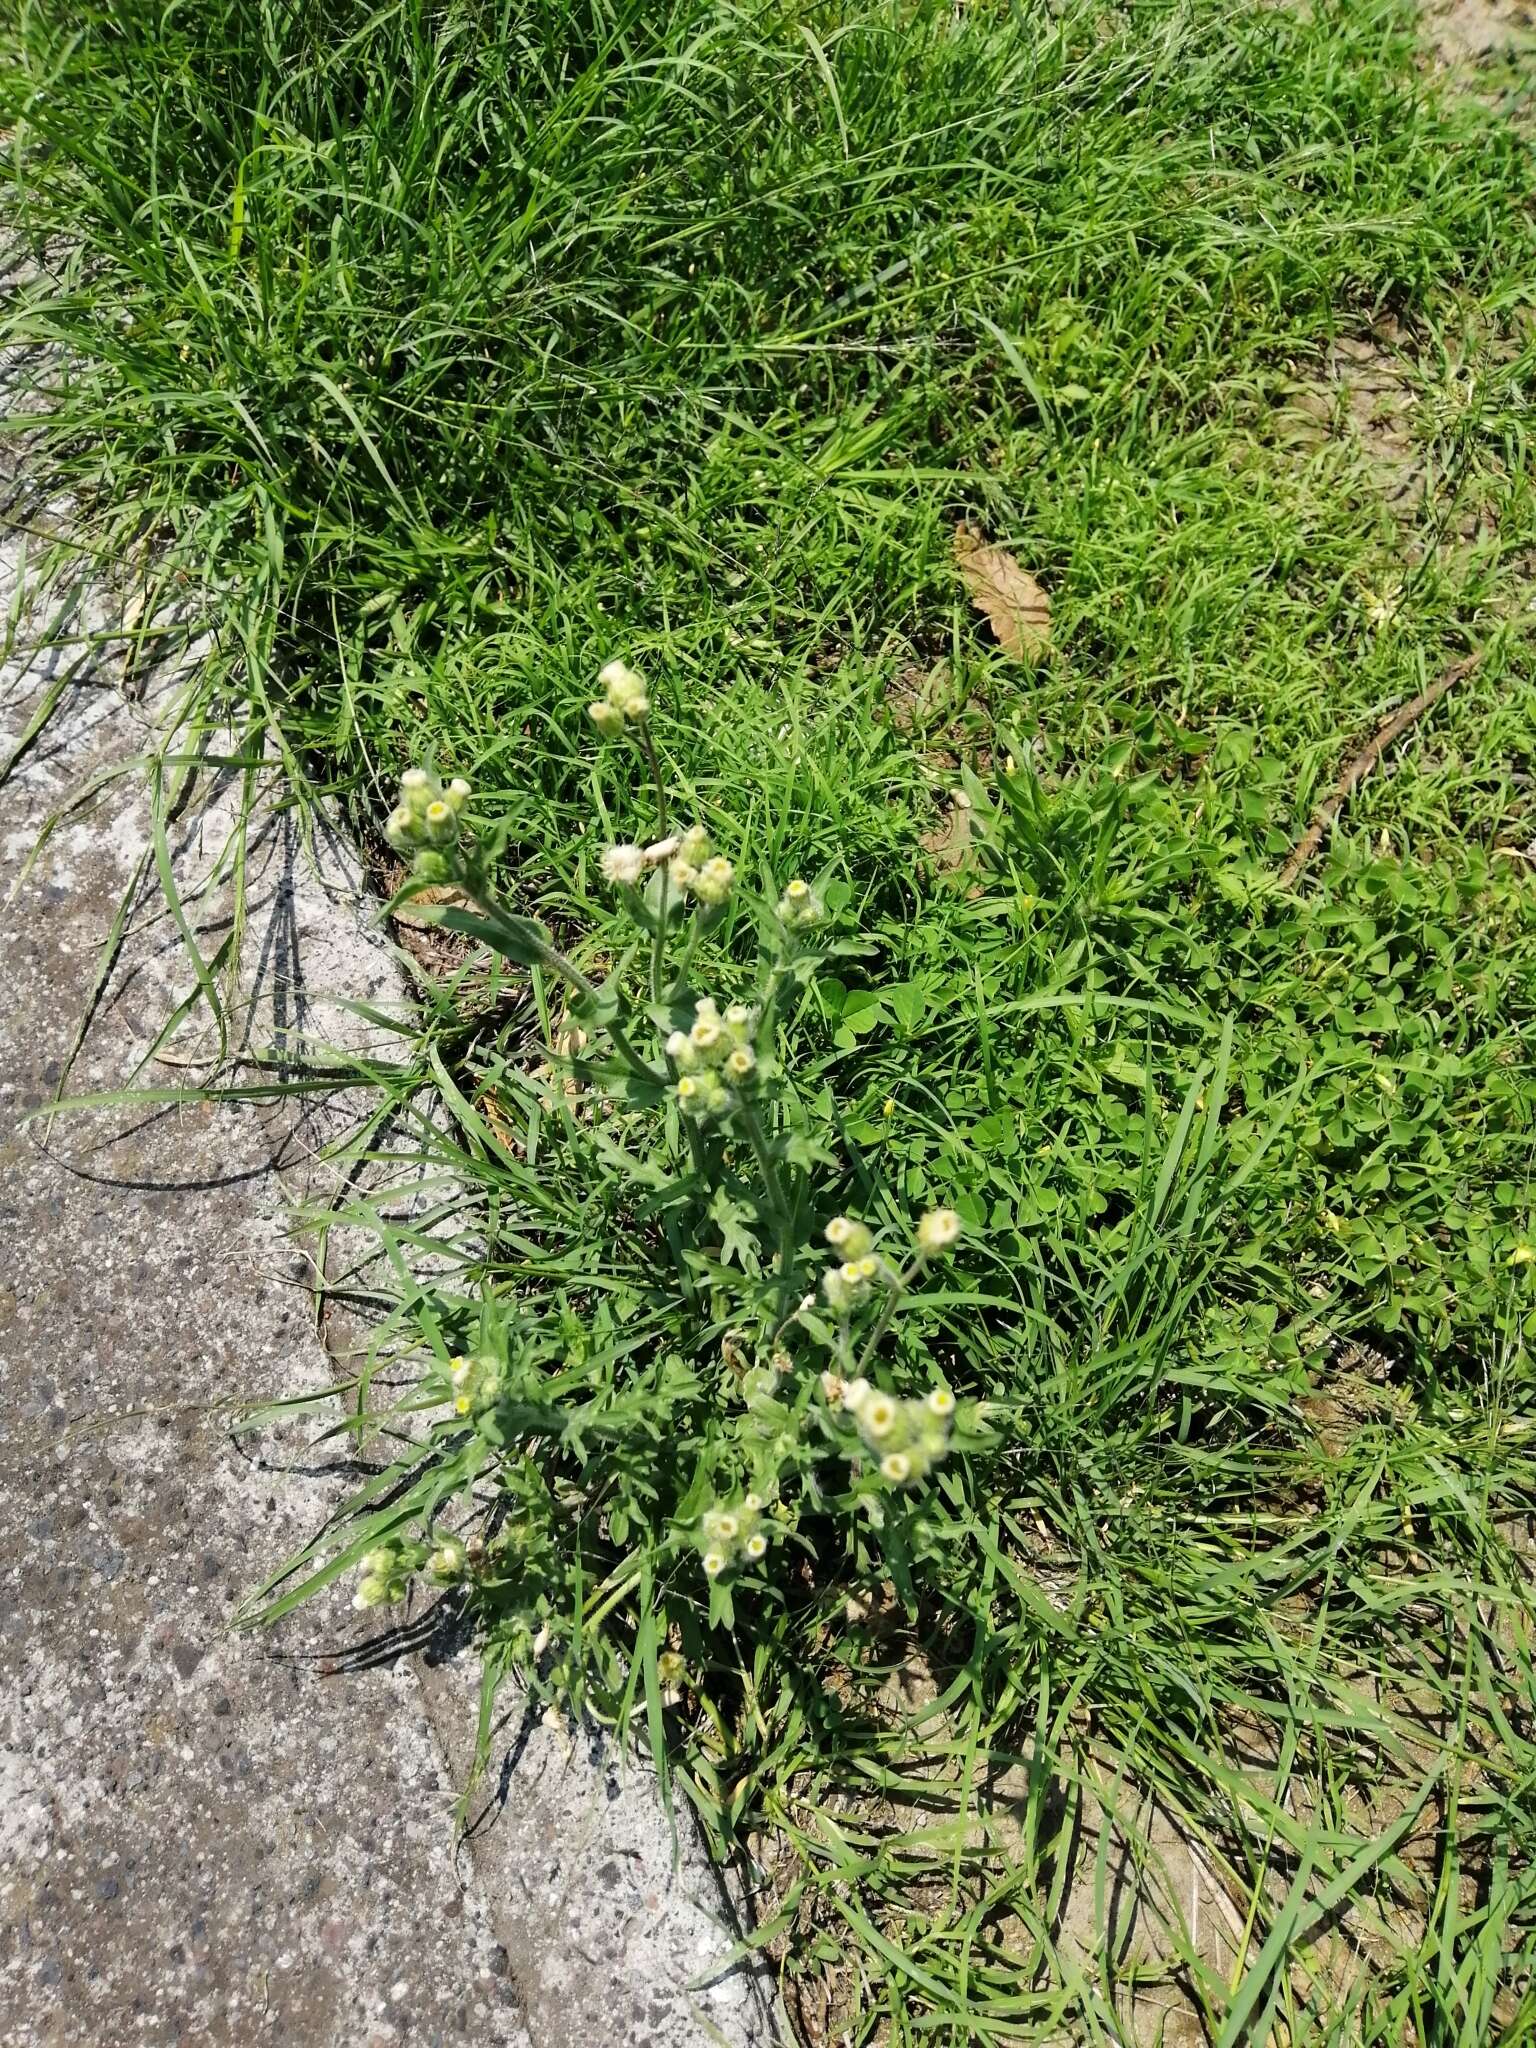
[458, 792]
[877, 1416]
[372, 1592]
[851, 1238]
[625, 690]
[693, 846]
[440, 822]
[712, 883]
[740, 1062]
[608, 718]
[400, 829]
[800, 906]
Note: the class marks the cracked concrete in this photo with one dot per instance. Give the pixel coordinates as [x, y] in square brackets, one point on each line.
[206, 1835]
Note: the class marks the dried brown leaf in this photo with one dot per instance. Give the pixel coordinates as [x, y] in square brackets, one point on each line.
[1014, 603]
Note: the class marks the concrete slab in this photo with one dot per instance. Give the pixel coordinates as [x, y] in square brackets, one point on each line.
[206, 1836]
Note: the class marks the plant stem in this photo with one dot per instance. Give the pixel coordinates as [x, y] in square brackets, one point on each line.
[898, 1290]
[659, 939]
[659, 935]
[782, 1218]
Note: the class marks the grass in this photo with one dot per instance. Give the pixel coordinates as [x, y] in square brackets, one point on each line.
[433, 354]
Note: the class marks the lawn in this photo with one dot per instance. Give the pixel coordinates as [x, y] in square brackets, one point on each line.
[427, 358]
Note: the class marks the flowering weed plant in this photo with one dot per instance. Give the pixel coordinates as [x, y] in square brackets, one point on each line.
[762, 1402]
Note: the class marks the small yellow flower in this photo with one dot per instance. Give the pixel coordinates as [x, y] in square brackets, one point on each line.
[756, 1547]
[1523, 1255]
[714, 1563]
[461, 1405]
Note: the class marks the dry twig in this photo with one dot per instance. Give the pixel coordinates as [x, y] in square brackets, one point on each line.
[1363, 762]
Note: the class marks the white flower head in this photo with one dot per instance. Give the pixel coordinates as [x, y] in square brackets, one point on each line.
[740, 1061]
[855, 1394]
[896, 1466]
[756, 1546]
[440, 823]
[608, 718]
[877, 1417]
[938, 1230]
[848, 1236]
[940, 1402]
[623, 865]
[714, 1563]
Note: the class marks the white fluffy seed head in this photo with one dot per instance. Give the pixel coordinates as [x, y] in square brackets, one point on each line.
[623, 865]
[939, 1229]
